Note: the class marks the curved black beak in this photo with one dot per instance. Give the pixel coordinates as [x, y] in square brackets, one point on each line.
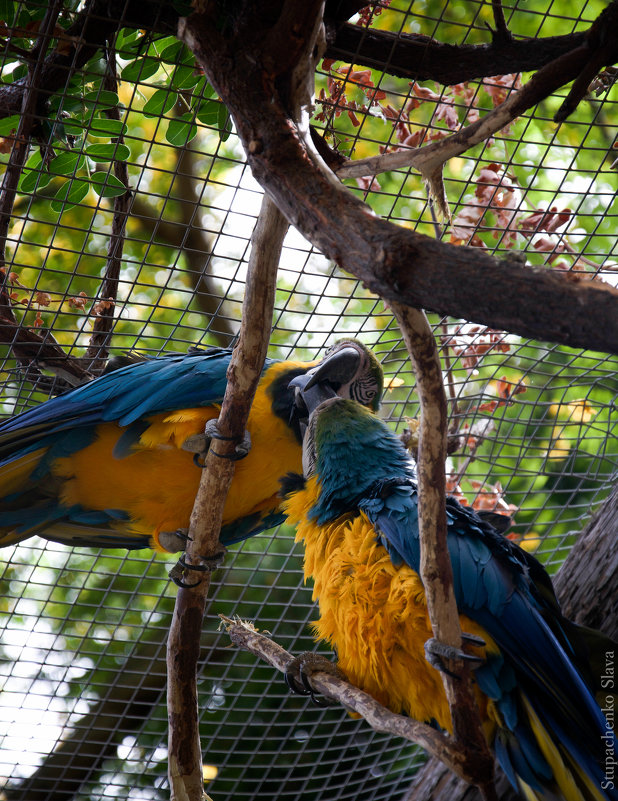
[324, 380]
[338, 369]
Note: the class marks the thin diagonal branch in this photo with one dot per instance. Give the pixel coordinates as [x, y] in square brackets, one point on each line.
[105, 305]
[430, 158]
[247, 637]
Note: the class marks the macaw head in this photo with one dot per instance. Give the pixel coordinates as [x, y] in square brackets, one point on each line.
[350, 451]
[348, 370]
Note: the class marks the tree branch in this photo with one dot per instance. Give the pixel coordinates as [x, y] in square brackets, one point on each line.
[395, 263]
[435, 568]
[421, 58]
[105, 305]
[429, 159]
[247, 637]
[185, 763]
[40, 349]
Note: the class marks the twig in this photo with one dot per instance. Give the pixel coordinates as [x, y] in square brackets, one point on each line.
[247, 637]
[185, 762]
[430, 158]
[40, 348]
[502, 32]
[21, 144]
[104, 306]
[435, 569]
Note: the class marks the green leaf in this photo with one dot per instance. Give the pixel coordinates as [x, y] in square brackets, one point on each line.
[181, 130]
[69, 194]
[159, 44]
[18, 72]
[109, 152]
[140, 70]
[208, 112]
[70, 103]
[33, 180]
[101, 99]
[107, 185]
[103, 127]
[69, 127]
[170, 53]
[178, 53]
[9, 124]
[66, 163]
[184, 77]
[224, 123]
[7, 12]
[33, 177]
[131, 43]
[159, 103]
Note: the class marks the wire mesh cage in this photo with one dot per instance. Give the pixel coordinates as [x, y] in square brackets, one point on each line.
[532, 424]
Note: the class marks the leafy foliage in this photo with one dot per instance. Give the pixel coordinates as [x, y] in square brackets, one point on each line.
[535, 424]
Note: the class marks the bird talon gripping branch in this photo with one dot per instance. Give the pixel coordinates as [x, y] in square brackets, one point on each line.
[208, 564]
[243, 446]
[437, 653]
[304, 666]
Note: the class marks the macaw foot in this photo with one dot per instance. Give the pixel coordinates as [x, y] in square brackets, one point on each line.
[298, 675]
[436, 653]
[208, 564]
[199, 444]
[174, 541]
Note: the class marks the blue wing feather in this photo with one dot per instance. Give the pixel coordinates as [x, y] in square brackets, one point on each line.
[163, 383]
[493, 585]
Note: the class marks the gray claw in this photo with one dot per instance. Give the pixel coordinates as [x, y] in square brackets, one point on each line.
[302, 667]
[174, 541]
[211, 431]
[436, 653]
[196, 443]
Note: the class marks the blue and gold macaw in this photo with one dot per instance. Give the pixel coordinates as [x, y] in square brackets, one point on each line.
[538, 677]
[112, 463]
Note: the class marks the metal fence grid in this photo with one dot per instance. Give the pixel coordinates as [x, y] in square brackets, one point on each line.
[83, 631]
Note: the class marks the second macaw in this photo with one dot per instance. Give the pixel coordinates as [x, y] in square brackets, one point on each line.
[107, 464]
[539, 675]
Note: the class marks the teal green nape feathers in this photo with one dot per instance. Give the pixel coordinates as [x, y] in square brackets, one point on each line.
[113, 462]
[356, 512]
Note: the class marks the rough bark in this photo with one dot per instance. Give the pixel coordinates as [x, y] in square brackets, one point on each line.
[396, 263]
[435, 566]
[421, 58]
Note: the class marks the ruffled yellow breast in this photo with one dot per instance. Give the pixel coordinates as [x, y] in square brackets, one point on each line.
[373, 613]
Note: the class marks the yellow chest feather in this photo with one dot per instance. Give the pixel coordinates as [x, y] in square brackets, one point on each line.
[372, 612]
